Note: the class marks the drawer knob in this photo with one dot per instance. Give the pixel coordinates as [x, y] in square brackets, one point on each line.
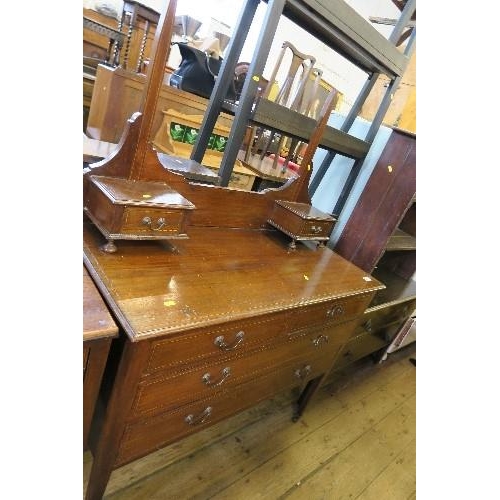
[221, 343]
[302, 373]
[199, 419]
[320, 340]
[335, 311]
[225, 374]
[148, 222]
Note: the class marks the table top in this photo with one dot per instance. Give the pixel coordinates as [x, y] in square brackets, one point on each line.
[215, 276]
[97, 321]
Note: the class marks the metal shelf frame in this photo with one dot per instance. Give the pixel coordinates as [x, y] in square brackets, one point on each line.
[341, 28]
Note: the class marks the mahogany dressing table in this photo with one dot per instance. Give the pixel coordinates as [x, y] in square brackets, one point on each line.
[229, 319]
[223, 319]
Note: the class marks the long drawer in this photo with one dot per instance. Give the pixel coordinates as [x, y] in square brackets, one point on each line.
[171, 389]
[219, 342]
[230, 340]
[150, 434]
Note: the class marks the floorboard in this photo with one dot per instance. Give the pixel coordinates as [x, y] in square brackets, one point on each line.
[355, 440]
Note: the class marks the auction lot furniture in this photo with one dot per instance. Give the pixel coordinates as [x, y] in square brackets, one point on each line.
[227, 320]
[229, 316]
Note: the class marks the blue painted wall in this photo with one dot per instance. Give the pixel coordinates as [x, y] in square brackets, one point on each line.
[329, 190]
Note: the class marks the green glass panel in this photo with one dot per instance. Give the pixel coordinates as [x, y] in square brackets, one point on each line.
[177, 131]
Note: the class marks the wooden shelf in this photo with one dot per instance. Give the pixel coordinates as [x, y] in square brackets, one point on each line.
[269, 114]
[397, 289]
[401, 241]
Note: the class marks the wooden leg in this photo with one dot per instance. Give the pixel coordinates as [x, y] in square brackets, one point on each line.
[305, 396]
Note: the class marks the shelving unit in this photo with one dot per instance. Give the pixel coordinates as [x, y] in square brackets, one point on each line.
[341, 28]
[380, 237]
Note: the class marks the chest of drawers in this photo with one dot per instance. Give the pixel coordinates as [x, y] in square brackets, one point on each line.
[228, 320]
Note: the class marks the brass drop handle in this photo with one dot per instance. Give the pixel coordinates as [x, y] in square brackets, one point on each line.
[221, 343]
[302, 373]
[368, 326]
[316, 229]
[148, 222]
[335, 311]
[226, 373]
[199, 419]
[321, 339]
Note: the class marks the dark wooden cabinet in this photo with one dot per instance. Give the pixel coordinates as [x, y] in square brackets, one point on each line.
[380, 237]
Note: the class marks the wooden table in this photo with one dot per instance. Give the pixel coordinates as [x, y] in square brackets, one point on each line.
[98, 330]
[225, 320]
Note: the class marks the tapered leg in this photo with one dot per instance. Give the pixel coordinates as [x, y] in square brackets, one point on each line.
[305, 396]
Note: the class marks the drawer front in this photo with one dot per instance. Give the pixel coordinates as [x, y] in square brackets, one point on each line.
[174, 389]
[152, 221]
[358, 347]
[330, 312]
[151, 434]
[379, 318]
[216, 343]
[317, 228]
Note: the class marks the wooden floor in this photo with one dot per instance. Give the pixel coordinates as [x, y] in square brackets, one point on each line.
[356, 440]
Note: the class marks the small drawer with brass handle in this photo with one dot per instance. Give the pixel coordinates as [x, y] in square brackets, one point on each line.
[301, 221]
[330, 312]
[152, 220]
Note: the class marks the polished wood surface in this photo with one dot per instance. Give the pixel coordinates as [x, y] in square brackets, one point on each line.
[97, 321]
[215, 275]
[283, 317]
